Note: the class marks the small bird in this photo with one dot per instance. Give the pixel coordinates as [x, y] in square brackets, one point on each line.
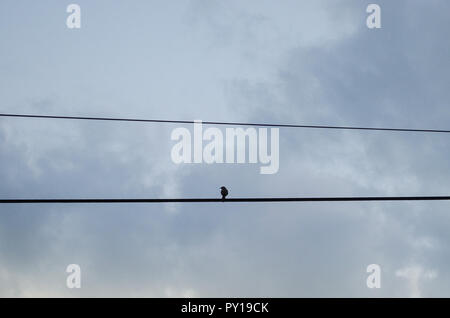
[223, 192]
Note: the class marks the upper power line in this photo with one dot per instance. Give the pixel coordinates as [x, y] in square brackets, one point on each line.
[204, 200]
[229, 123]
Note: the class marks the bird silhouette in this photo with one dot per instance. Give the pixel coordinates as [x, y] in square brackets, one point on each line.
[223, 192]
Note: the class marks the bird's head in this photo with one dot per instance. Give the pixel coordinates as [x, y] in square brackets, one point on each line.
[222, 188]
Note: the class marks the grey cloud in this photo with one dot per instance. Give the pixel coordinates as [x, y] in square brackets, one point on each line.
[350, 75]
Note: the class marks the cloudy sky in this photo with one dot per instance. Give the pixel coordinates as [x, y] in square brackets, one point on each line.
[310, 62]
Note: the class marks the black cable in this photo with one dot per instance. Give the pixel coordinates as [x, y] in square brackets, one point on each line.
[301, 199]
[228, 123]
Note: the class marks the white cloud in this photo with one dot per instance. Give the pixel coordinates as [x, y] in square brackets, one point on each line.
[415, 275]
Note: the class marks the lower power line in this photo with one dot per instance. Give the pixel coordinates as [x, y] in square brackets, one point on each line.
[231, 200]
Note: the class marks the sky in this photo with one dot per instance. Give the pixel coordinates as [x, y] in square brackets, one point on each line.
[304, 62]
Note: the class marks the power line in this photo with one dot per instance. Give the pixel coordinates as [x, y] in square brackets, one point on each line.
[231, 200]
[228, 123]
